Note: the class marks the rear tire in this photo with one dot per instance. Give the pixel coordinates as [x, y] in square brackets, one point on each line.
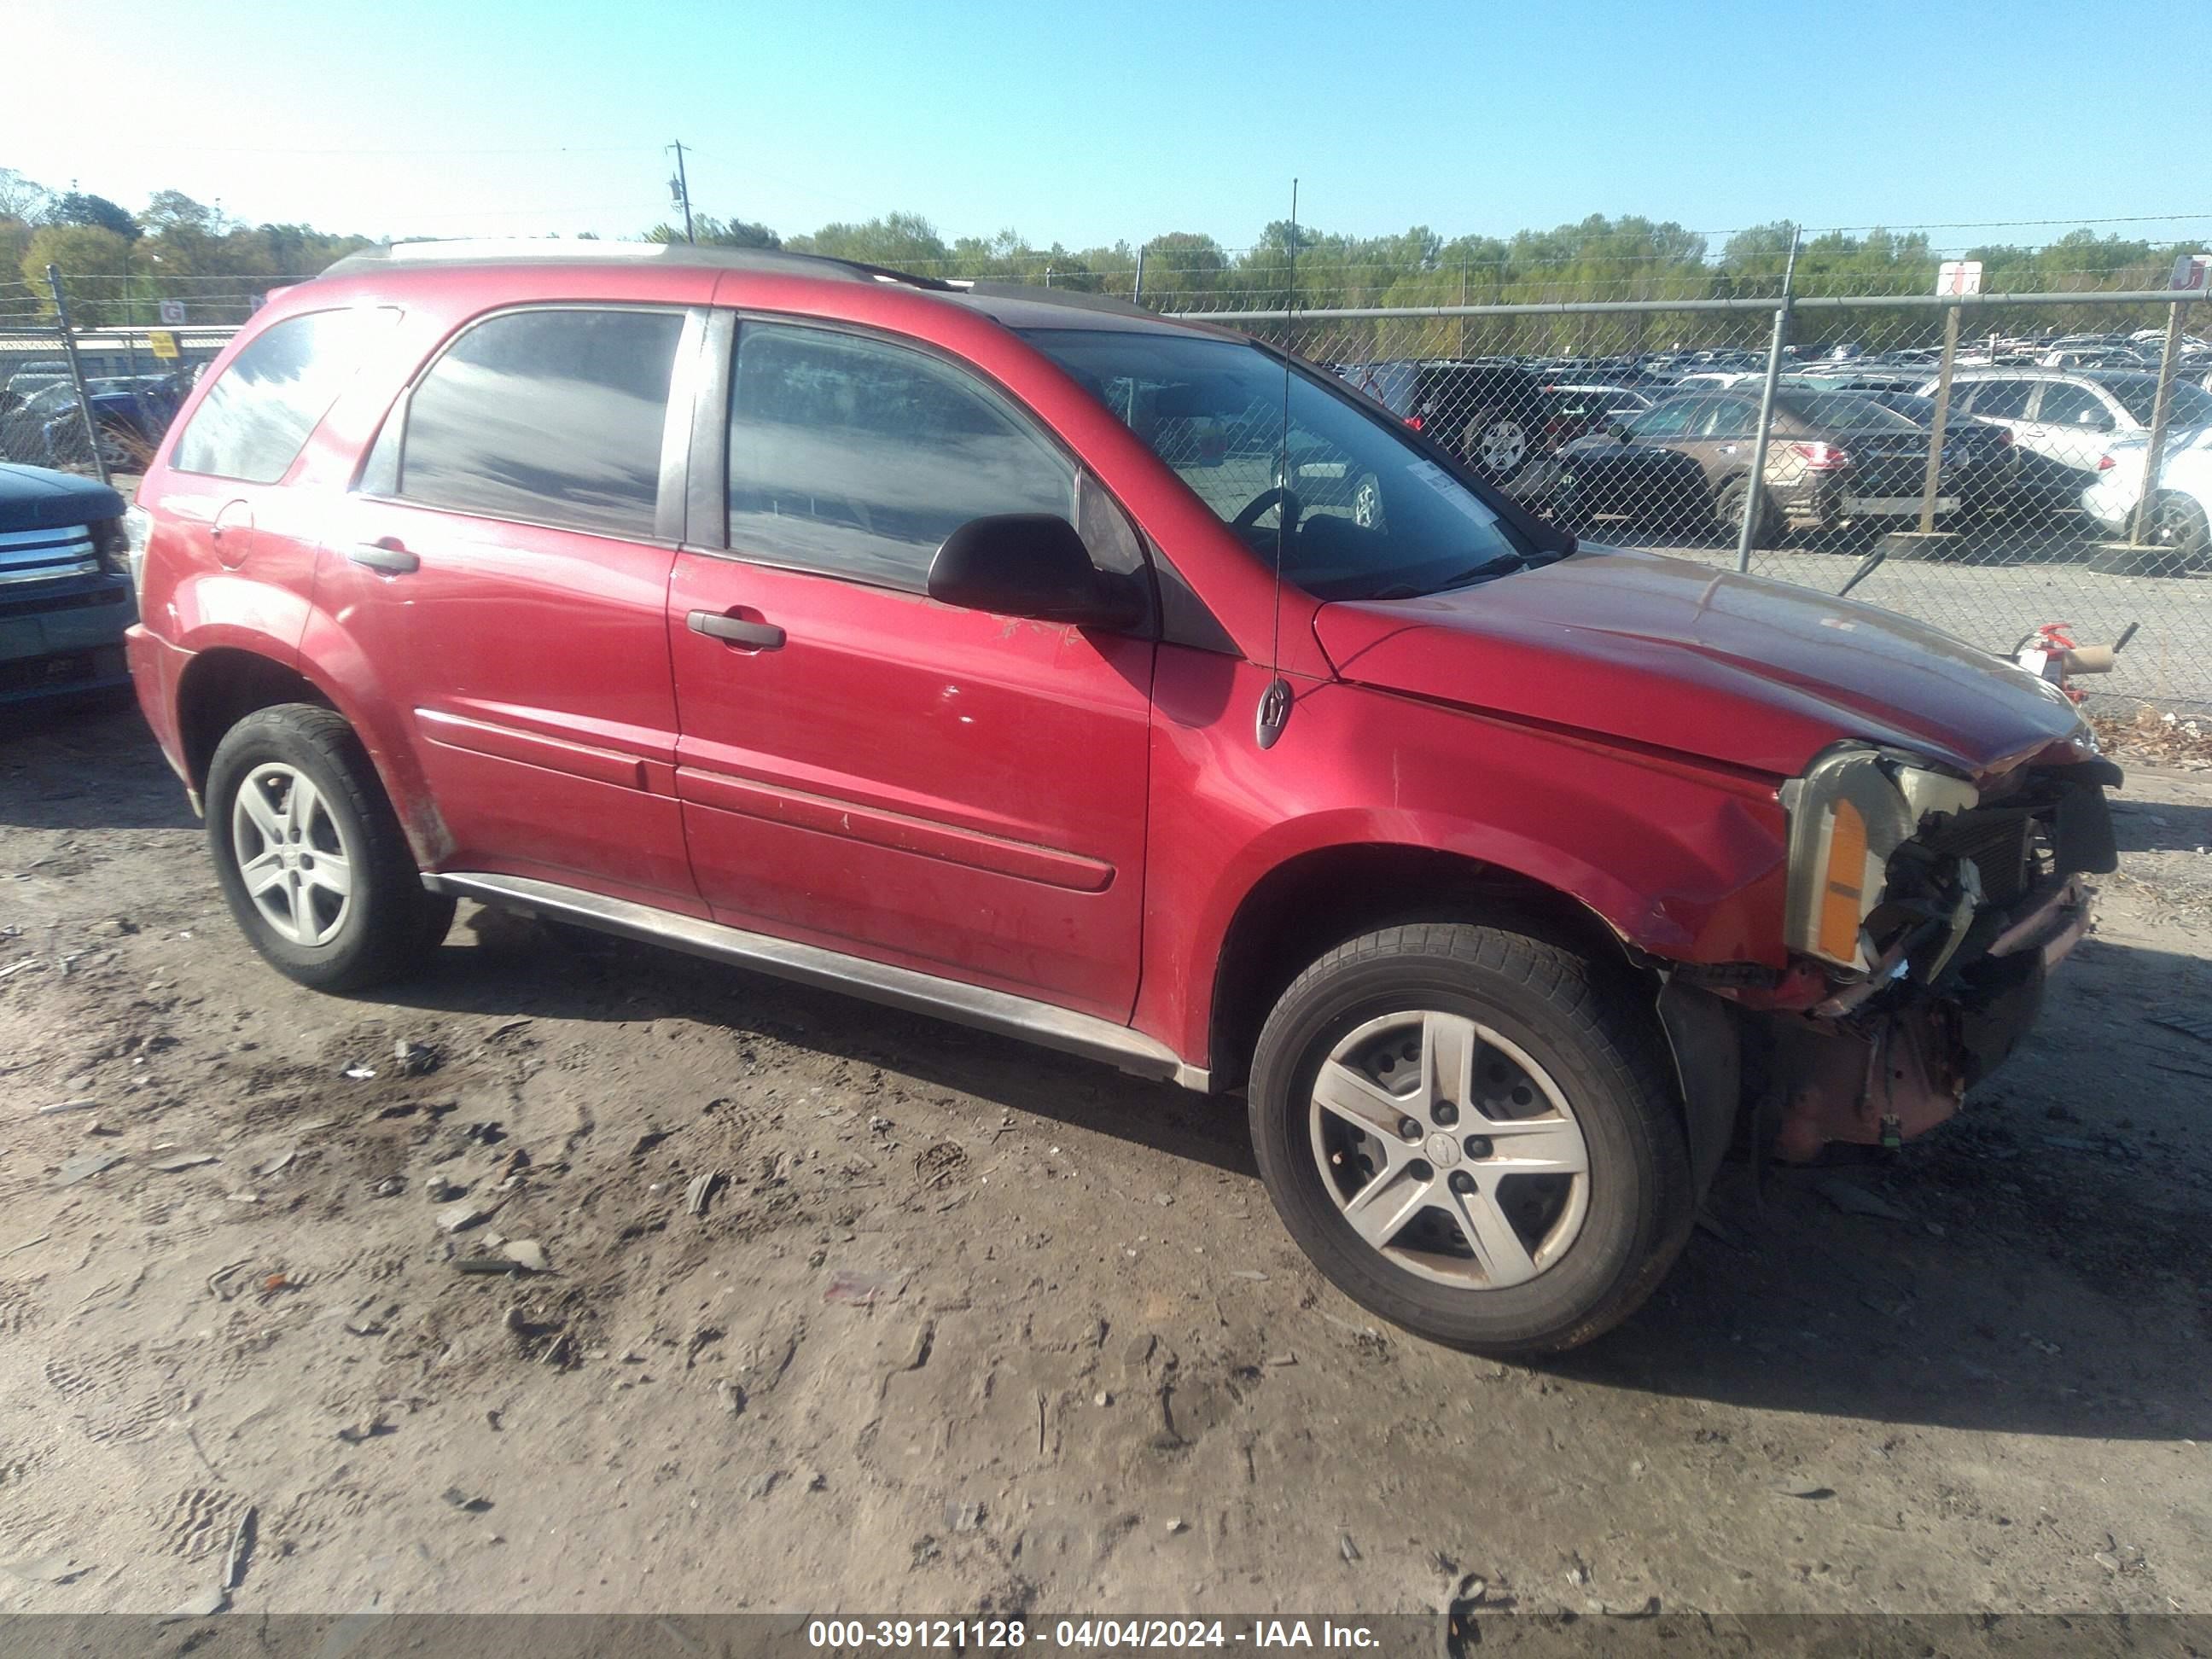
[1497, 445]
[1527, 1203]
[310, 855]
[1727, 513]
[2177, 524]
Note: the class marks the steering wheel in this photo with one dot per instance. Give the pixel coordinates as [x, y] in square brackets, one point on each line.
[1278, 495]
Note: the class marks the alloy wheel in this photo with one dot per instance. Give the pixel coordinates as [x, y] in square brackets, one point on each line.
[292, 856]
[1502, 445]
[1367, 503]
[1450, 1149]
[2178, 525]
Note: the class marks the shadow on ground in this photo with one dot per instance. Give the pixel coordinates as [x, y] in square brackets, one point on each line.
[80, 763]
[2007, 1294]
[2041, 1274]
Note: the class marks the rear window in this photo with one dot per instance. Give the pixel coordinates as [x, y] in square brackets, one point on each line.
[1390, 384]
[255, 418]
[1841, 411]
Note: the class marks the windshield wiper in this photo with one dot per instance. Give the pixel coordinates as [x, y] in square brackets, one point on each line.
[1499, 564]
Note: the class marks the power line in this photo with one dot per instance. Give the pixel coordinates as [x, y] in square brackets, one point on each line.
[356, 150]
[2015, 224]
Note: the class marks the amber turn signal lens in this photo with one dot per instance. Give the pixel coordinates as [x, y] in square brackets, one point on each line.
[1842, 894]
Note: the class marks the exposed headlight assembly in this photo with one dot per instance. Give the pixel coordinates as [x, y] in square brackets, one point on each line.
[1851, 810]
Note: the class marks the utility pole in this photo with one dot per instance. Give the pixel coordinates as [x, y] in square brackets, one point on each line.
[1755, 497]
[680, 188]
[1459, 335]
[76, 369]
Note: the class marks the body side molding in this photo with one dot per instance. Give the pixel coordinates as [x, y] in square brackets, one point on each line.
[812, 965]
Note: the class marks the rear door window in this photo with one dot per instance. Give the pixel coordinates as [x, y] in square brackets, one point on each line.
[255, 418]
[857, 458]
[550, 416]
[1733, 417]
[2001, 400]
[1672, 419]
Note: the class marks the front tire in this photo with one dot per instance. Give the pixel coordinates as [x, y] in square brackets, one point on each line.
[1473, 1135]
[310, 856]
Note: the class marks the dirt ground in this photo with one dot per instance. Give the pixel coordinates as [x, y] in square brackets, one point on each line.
[968, 1327]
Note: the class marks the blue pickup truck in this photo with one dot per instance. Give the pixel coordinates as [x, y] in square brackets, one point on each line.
[65, 588]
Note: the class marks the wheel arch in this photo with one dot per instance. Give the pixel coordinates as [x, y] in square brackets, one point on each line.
[223, 683]
[221, 686]
[1316, 900]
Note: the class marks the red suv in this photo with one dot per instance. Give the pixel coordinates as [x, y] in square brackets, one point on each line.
[1122, 684]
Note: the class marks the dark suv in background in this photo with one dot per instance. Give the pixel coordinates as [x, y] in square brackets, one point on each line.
[1497, 417]
[64, 586]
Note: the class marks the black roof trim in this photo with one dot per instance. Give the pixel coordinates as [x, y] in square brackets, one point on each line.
[1075, 299]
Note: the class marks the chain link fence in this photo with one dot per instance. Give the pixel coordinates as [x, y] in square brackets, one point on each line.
[1976, 462]
[43, 400]
[1787, 430]
[91, 398]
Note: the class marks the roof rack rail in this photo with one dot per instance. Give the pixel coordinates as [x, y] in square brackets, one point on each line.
[556, 251]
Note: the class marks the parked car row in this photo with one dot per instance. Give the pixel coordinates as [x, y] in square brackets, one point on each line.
[42, 421]
[1666, 440]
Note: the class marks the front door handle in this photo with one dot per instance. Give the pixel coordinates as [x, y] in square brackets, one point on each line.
[757, 635]
[392, 560]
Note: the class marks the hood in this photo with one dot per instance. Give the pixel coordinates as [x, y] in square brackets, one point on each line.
[1663, 652]
[38, 498]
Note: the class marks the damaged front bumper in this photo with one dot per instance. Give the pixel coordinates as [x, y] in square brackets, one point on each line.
[1877, 1072]
[1966, 906]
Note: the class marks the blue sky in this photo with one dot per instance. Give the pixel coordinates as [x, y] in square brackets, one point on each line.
[1087, 123]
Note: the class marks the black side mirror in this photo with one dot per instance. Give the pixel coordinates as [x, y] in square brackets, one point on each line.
[1030, 564]
[1618, 431]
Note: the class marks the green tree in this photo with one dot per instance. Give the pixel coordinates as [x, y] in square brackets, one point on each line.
[15, 242]
[22, 198]
[709, 232]
[168, 212]
[77, 207]
[897, 241]
[1184, 270]
[90, 261]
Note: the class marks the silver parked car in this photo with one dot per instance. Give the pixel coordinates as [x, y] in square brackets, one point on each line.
[2069, 416]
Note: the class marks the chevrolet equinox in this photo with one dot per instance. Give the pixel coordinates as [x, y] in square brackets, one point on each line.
[1116, 683]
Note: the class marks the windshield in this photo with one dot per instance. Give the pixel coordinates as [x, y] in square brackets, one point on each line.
[2192, 404]
[1369, 514]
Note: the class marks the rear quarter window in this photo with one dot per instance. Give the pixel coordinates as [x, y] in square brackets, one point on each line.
[255, 418]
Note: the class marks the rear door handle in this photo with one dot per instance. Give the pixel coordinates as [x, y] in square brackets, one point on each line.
[761, 636]
[392, 561]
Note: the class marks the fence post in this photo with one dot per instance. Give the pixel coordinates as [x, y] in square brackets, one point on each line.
[1137, 293]
[76, 372]
[1933, 483]
[1755, 495]
[2154, 450]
